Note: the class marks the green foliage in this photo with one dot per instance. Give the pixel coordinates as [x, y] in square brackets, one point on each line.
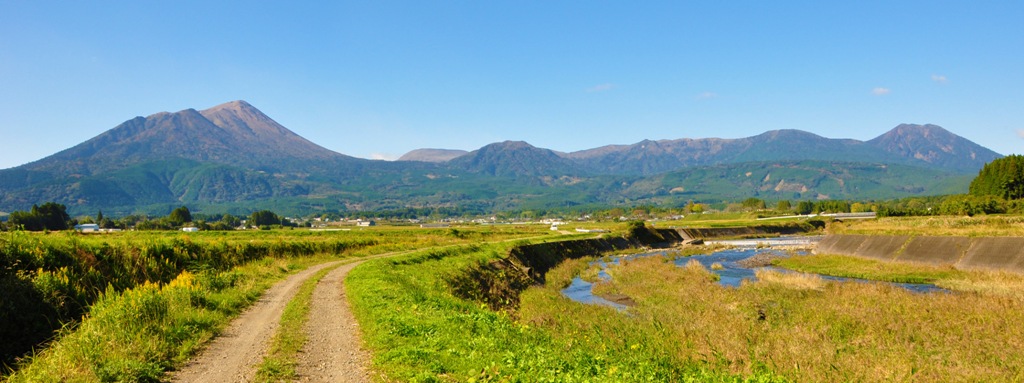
[54, 280]
[804, 207]
[263, 218]
[832, 206]
[783, 205]
[138, 334]
[419, 332]
[59, 277]
[753, 203]
[48, 216]
[179, 216]
[1003, 178]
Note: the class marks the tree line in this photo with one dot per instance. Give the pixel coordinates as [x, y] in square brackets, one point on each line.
[998, 189]
[52, 216]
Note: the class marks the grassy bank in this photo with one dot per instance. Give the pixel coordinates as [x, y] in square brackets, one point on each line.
[419, 332]
[987, 283]
[959, 226]
[871, 269]
[138, 334]
[801, 327]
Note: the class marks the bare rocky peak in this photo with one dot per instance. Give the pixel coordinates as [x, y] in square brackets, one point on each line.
[248, 124]
[934, 145]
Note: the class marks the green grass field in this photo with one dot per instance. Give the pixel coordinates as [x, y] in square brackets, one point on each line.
[171, 292]
[129, 306]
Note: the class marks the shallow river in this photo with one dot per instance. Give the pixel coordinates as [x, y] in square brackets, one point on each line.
[731, 273]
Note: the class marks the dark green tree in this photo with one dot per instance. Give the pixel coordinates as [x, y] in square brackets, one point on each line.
[804, 207]
[753, 203]
[53, 215]
[783, 205]
[48, 216]
[25, 220]
[263, 218]
[1003, 178]
[179, 216]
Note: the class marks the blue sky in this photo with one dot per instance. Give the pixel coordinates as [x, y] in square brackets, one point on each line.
[377, 79]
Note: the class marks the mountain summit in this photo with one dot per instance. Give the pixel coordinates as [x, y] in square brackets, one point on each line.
[934, 145]
[228, 153]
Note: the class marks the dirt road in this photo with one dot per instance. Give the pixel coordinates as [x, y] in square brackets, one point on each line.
[332, 354]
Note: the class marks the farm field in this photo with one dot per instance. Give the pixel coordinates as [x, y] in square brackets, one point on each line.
[681, 325]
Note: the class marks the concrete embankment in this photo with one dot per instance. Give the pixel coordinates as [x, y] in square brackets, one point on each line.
[990, 253]
[690, 233]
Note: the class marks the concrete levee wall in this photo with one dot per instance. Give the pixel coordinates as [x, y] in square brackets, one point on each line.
[935, 250]
[688, 233]
[997, 253]
[991, 253]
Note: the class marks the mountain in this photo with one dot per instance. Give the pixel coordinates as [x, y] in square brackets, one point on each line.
[926, 146]
[234, 133]
[935, 146]
[231, 152]
[432, 155]
[515, 159]
[233, 158]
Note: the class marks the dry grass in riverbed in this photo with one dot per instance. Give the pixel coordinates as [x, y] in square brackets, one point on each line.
[832, 332]
[799, 281]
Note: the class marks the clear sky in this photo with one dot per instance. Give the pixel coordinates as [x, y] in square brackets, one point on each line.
[376, 79]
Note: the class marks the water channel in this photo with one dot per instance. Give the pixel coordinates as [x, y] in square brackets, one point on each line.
[730, 270]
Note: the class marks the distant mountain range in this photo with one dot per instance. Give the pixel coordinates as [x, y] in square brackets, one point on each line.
[233, 158]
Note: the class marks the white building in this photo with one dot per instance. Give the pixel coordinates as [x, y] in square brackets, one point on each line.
[88, 228]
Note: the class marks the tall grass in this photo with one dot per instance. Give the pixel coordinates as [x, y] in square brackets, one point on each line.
[989, 283]
[138, 334]
[419, 332]
[962, 226]
[872, 269]
[51, 281]
[804, 329]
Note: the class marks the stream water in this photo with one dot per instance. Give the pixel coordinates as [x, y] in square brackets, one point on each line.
[731, 272]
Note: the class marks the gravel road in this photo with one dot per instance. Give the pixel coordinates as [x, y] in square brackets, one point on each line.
[332, 353]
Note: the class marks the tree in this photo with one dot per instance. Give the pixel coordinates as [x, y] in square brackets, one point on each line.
[1003, 178]
[48, 216]
[804, 207]
[783, 205]
[53, 215]
[179, 216]
[263, 218]
[753, 203]
[25, 221]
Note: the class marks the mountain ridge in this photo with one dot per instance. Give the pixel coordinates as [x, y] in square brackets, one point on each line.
[234, 156]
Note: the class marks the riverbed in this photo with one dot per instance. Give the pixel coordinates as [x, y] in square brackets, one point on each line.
[732, 265]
